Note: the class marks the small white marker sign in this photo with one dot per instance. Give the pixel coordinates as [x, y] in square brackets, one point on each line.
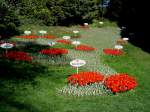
[118, 47]
[27, 32]
[86, 24]
[126, 39]
[75, 31]
[101, 22]
[42, 32]
[76, 43]
[66, 37]
[6, 45]
[77, 63]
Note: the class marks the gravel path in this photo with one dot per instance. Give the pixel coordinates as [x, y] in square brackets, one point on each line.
[99, 38]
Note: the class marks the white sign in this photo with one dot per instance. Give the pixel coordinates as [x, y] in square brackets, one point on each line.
[6, 45]
[126, 39]
[86, 24]
[76, 42]
[101, 22]
[118, 47]
[42, 32]
[66, 37]
[51, 43]
[27, 32]
[77, 63]
[75, 31]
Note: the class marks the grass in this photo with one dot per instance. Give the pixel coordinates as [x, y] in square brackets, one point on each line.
[32, 87]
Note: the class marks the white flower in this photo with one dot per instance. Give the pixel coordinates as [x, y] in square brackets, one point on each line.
[51, 43]
[126, 39]
[118, 47]
[86, 24]
[42, 32]
[6, 45]
[66, 37]
[75, 31]
[101, 22]
[76, 42]
[27, 32]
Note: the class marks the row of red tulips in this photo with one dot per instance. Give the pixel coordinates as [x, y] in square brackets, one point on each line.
[116, 83]
[114, 52]
[18, 55]
[23, 56]
[36, 36]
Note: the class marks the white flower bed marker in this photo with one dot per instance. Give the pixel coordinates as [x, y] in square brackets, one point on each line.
[76, 43]
[118, 47]
[101, 23]
[86, 24]
[6, 46]
[66, 37]
[126, 39]
[75, 31]
[77, 63]
[43, 32]
[27, 32]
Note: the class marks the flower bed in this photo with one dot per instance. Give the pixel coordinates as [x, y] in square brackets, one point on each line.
[54, 51]
[114, 52]
[64, 41]
[28, 36]
[36, 36]
[120, 83]
[84, 48]
[49, 36]
[18, 55]
[85, 78]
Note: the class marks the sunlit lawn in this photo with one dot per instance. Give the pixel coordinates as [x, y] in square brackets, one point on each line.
[32, 87]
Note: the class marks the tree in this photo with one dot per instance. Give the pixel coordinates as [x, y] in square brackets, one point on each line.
[8, 20]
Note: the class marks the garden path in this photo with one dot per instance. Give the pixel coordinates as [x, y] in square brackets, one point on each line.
[99, 38]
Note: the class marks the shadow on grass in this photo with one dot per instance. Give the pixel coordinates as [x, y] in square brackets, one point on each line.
[8, 102]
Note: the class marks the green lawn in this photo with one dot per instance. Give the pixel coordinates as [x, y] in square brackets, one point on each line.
[32, 87]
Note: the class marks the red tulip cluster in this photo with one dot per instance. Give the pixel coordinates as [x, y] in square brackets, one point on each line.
[18, 55]
[49, 36]
[54, 51]
[35, 36]
[85, 78]
[28, 36]
[114, 52]
[84, 48]
[120, 83]
[64, 41]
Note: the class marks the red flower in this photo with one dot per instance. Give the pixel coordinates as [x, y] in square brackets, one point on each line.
[113, 52]
[35, 36]
[28, 36]
[49, 36]
[64, 41]
[84, 48]
[120, 83]
[85, 78]
[18, 55]
[54, 51]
